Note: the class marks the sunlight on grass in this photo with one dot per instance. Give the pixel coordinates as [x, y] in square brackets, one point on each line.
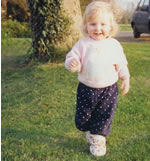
[125, 27]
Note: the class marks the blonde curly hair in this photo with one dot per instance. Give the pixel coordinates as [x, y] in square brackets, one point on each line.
[96, 9]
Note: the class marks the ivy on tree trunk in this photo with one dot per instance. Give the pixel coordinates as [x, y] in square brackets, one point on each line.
[50, 25]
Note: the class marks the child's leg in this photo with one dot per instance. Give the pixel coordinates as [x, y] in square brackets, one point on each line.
[101, 120]
[95, 108]
[84, 107]
[88, 137]
[94, 113]
[103, 114]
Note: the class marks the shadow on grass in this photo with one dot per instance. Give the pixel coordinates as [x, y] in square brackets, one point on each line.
[61, 143]
[14, 62]
[18, 81]
[75, 144]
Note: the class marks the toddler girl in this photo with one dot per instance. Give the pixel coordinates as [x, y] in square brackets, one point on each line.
[99, 60]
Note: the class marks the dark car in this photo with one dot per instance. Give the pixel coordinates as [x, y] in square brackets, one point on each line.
[141, 18]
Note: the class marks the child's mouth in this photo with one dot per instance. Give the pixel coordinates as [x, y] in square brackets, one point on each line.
[98, 34]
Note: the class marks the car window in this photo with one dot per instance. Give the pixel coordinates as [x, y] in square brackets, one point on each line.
[141, 4]
[144, 7]
[146, 2]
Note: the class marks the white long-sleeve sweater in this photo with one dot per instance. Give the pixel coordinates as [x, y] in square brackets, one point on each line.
[101, 63]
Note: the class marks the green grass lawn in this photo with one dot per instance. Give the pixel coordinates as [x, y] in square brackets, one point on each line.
[38, 106]
[125, 27]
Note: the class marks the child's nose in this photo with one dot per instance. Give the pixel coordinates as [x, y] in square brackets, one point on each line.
[98, 27]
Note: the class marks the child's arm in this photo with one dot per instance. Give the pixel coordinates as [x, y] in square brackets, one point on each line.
[121, 67]
[74, 65]
[72, 62]
[124, 75]
[125, 85]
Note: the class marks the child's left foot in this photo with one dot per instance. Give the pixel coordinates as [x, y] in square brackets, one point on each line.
[98, 144]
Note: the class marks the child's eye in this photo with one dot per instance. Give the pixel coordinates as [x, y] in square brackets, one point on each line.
[103, 24]
[93, 24]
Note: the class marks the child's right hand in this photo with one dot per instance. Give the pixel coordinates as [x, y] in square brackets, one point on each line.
[73, 65]
[125, 86]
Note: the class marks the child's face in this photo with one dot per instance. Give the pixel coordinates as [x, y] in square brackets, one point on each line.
[99, 28]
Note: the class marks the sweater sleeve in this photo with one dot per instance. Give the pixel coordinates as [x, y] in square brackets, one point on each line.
[122, 64]
[74, 53]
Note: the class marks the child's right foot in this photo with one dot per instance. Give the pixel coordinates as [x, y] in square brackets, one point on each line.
[88, 137]
[98, 150]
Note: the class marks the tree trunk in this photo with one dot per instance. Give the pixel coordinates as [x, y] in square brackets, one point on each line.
[73, 9]
[4, 9]
[54, 24]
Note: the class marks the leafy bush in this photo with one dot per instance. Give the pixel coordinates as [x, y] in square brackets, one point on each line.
[15, 29]
[18, 10]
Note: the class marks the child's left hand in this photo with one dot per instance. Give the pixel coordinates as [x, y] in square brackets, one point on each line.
[125, 86]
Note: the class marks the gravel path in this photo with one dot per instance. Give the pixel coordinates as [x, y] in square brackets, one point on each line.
[127, 36]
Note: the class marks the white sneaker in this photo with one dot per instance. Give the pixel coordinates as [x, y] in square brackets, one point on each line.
[98, 150]
[98, 144]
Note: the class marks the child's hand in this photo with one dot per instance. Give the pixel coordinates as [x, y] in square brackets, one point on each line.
[74, 65]
[125, 86]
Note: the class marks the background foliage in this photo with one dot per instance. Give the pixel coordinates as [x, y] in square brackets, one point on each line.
[18, 10]
[16, 29]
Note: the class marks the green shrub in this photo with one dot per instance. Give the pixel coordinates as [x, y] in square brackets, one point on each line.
[15, 29]
[18, 10]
